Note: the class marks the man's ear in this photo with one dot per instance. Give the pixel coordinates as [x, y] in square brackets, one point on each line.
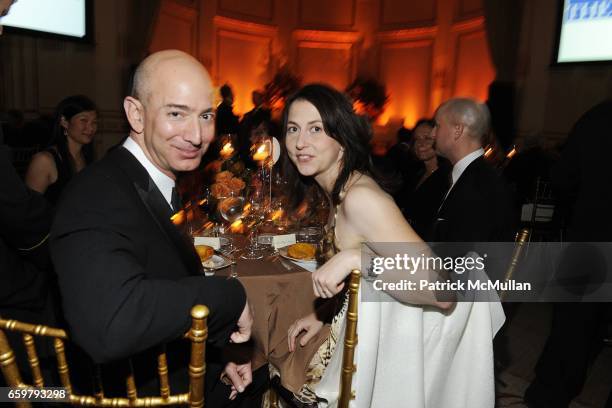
[458, 131]
[135, 113]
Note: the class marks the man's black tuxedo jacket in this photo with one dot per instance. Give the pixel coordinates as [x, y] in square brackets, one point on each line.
[25, 220]
[582, 177]
[478, 208]
[128, 279]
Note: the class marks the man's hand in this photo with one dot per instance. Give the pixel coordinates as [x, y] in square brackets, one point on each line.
[328, 280]
[245, 322]
[310, 324]
[240, 376]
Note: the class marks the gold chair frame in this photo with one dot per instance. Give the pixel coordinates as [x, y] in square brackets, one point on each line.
[197, 367]
[522, 237]
[350, 342]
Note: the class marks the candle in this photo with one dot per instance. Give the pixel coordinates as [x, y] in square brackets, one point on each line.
[261, 153]
[227, 150]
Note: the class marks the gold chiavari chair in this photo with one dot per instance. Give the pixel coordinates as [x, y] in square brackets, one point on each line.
[348, 354]
[522, 238]
[197, 367]
[350, 342]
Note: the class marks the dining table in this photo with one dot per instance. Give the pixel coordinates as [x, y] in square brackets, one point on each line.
[279, 292]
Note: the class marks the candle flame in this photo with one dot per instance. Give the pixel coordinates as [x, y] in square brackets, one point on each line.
[237, 227]
[227, 150]
[261, 153]
[276, 215]
[511, 153]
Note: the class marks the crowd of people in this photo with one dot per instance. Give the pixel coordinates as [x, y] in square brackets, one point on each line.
[90, 246]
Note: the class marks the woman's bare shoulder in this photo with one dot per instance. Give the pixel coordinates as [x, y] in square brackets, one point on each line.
[43, 159]
[365, 198]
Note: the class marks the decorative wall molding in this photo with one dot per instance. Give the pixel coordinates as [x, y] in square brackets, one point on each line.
[249, 27]
[473, 69]
[173, 15]
[324, 10]
[477, 23]
[464, 11]
[343, 44]
[351, 37]
[241, 14]
[386, 24]
[407, 34]
[406, 69]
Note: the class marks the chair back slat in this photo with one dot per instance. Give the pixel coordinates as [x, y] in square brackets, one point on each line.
[62, 364]
[350, 342]
[162, 369]
[521, 239]
[197, 366]
[28, 342]
[98, 391]
[130, 383]
[8, 363]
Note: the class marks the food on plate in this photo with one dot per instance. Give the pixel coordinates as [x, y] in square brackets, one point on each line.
[205, 252]
[302, 250]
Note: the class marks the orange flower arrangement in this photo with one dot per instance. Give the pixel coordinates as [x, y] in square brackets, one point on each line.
[225, 183]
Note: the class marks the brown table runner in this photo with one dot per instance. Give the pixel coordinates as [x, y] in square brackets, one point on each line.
[279, 292]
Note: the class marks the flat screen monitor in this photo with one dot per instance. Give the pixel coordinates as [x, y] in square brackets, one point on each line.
[585, 31]
[67, 19]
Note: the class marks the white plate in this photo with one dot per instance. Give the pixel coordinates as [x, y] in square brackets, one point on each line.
[215, 262]
[305, 263]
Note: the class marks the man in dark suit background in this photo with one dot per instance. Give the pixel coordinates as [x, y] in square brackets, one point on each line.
[127, 276]
[478, 206]
[581, 178]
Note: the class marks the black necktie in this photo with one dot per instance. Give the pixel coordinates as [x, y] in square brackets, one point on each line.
[175, 200]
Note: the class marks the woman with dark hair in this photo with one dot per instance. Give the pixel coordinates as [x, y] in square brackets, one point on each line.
[328, 148]
[422, 194]
[76, 123]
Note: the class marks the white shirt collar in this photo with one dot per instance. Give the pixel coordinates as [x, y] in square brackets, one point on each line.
[164, 183]
[462, 164]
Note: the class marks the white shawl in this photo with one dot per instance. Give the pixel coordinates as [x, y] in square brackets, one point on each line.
[410, 356]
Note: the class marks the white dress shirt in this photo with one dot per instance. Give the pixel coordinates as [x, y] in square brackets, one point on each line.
[164, 183]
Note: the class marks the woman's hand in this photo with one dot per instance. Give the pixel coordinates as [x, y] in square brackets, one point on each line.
[328, 280]
[310, 324]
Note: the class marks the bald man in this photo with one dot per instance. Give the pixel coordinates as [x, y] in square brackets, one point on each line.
[128, 277]
[478, 205]
[5, 6]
